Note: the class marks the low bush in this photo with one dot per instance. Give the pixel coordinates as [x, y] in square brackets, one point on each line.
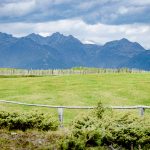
[103, 128]
[24, 121]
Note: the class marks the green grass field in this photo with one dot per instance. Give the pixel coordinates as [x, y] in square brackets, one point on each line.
[82, 90]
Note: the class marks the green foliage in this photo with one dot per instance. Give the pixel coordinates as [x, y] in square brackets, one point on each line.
[99, 110]
[72, 143]
[104, 128]
[24, 121]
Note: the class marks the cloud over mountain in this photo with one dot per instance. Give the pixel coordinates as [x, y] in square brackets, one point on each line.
[89, 20]
[98, 33]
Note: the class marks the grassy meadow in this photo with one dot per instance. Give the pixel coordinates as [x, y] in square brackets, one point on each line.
[113, 89]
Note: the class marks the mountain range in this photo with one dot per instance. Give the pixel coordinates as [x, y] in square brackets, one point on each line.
[59, 52]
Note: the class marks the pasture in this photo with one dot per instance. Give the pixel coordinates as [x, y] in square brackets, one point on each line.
[112, 89]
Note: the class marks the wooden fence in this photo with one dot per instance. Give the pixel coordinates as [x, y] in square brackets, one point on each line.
[61, 108]
[31, 72]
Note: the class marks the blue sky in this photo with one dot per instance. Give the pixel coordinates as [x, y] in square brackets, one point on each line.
[92, 21]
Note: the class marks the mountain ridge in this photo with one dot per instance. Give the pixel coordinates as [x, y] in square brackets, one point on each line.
[60, 51]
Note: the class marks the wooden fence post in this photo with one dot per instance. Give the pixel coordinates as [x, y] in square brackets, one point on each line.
[142, 111]
[60, 116]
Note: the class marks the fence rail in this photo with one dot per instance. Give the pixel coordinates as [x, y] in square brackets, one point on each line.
[24, 72]
[60, 108]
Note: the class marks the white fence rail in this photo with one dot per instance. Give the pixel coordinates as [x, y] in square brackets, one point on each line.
[60, 108]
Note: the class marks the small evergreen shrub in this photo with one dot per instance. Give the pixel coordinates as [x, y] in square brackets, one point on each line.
[24, 121]
[103, 128]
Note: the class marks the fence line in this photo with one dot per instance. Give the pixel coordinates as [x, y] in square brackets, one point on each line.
[25, 72]
[49, 106]
[60, 108]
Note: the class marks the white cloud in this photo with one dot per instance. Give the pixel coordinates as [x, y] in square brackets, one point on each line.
[140, 2]
[89, 4]
[130, 10]
[16, 8]
[99, 33]
[122, 10]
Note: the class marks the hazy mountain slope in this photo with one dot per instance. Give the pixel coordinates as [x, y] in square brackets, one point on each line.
[115, 53]
[59, 51]
[25, 53]
[71, 49]
[140, 61]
